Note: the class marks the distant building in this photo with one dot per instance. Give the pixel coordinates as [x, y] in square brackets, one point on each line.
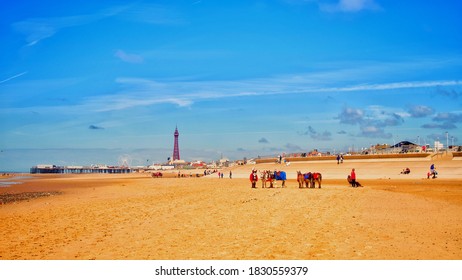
[438, 146]
[381, 147]
[406, 146]
[224, 162]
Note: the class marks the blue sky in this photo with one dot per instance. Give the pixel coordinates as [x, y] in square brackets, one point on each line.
[86, 82]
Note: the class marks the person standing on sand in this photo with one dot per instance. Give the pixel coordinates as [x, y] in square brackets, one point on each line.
[230, 174]
[254, 178]
[353, 178]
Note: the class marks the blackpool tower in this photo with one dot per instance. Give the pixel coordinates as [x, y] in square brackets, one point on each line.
[176, 149]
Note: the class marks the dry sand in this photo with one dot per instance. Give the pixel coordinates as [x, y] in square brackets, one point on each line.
[133, 216]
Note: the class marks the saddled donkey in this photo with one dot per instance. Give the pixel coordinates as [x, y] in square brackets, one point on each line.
[263, 176]
[300, 179]
[280, 176]
[316, 177]
[270, 178]
[304, 179]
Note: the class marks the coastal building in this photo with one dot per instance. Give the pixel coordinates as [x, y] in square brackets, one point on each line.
[405, 147]
[438, 146]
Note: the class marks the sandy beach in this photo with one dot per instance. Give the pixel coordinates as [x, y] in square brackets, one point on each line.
[134, 216]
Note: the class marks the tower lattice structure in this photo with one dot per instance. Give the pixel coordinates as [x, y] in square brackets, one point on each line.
[176, 149]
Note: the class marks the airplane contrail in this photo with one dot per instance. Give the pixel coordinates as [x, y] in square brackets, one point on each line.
[13, 77]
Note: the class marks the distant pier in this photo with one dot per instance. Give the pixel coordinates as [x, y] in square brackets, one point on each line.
[54, 169]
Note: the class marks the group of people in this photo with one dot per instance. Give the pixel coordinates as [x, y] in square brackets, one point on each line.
[222, 175]
[268, 176]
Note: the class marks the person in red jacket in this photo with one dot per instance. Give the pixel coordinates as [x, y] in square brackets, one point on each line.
[353, 178]
[254, 178]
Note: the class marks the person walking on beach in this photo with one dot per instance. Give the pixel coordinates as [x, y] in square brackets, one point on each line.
[353, 178]
[338, 159]
[254, 178]
[230, 174]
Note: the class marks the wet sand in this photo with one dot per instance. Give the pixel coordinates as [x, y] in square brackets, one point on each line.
[133, 216]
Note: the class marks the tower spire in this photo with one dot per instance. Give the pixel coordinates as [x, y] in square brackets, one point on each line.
[176, 149]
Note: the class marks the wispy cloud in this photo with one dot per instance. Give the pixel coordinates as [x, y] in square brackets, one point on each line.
[454, 94]
[129, 57]
[389, 86]
[135, 92]
[293, 147]
[351, 116]
[321, 136]
[95, 127]
[372, 121]
[38, 29]
[342, 6]
[373, 131]
[420, 111]
[349, 6]
[445, 121]
[146, 92]
[150, 13]
[448, 117]
[13, 77]
[445, 125]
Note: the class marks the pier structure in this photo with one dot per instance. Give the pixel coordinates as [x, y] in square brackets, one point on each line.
[54, 169]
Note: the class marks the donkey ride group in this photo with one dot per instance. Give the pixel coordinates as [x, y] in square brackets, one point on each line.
[309, 179]
[267, 178]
